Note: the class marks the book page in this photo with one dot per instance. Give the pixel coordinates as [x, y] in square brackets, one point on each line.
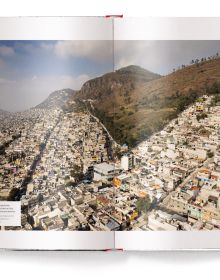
[55, 155]
[167, 117]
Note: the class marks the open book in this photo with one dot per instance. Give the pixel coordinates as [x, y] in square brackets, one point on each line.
[109, 133]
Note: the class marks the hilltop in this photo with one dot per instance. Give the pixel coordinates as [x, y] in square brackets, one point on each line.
[133, 103]
[119, 82]
[56, 99]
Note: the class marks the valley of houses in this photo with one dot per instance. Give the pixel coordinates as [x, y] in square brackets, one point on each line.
[62, 167]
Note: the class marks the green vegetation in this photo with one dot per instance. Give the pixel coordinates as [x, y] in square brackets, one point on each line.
[210, 154]
[165, 108]
[141, 103]
[143, 204]
[204, 132]
[13, 193]
[214, 88]
[117, 153]
[79, 107]
[130, 113]
[180, 101]
[76, 172]
[201, 116]
[216, 100]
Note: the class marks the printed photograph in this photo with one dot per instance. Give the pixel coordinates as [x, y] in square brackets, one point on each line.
[96, 139]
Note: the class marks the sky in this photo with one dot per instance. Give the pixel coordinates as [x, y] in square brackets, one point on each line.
[162, 56]
[31, 70]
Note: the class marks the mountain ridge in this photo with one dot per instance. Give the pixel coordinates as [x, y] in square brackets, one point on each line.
[125, 77]
[57, 98]
[133, 107]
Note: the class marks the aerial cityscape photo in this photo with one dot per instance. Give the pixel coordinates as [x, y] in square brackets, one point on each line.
[86, 145]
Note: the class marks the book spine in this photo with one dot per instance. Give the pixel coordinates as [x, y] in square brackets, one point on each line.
[113, 16]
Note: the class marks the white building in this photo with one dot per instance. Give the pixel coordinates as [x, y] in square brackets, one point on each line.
[104, 171]
[128, 162]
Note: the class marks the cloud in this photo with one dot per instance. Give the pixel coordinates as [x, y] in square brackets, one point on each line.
[73, 82]
[131, 52]
[34, 78]
[31, 48]
[26, 93]
[2, 63]
[52, 83]
[6, 51]
[100, 51]
[47, 46]
[6, 81]
[162, 56]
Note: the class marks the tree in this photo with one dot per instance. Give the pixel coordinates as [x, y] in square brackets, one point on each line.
[76, 172]
[67, 178]
[14, 192]
[210, 154]
[118, 153]
[201, 116]
[143, 204]
[40, 198]
[214, 88]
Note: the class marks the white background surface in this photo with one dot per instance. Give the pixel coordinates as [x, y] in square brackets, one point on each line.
[111, 265]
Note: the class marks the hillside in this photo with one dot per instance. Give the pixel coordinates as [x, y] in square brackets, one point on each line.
[133, 103]
[56, 99]
[121, 81]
